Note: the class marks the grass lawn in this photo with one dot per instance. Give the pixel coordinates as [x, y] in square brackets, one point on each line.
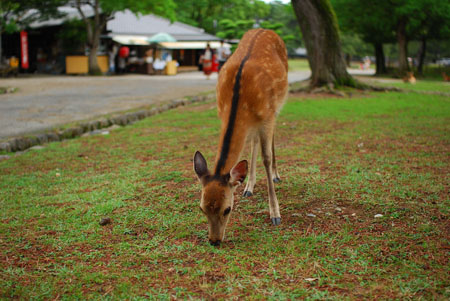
[342, 161]
[298, 64]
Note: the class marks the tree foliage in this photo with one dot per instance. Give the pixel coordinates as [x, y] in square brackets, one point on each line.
[230, 19]
[380, 22]
[208, 14]
[18, 14]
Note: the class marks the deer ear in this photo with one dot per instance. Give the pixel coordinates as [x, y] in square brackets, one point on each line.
[200, 166]
[238, 173]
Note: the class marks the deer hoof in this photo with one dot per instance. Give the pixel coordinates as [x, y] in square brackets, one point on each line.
[276, 180]
[276, 221]
[247, 194]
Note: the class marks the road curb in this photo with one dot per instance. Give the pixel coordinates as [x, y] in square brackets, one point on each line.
[23, 143]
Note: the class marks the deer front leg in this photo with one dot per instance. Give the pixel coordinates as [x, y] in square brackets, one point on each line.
[266, 149]
[276, 176]
[252, 177]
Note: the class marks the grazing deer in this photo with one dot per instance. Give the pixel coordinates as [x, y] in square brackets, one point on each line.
[445, 77]
[251, 90]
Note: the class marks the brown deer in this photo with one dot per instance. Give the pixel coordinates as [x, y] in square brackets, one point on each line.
[251, 90]
[409, 78]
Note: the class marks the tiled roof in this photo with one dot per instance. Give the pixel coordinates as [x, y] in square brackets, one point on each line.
[126, 23]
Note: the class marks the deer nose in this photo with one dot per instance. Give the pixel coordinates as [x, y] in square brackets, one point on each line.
[214, 243]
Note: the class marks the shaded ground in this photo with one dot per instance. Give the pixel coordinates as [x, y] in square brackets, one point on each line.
[343, 161]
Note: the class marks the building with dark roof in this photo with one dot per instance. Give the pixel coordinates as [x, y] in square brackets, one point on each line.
[124, 29]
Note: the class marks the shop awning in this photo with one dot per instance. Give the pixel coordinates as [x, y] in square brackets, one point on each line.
[191, 45]
[131, 40]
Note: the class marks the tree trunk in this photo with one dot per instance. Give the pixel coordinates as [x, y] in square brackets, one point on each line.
[94, 69]
[380, 59]
[94, 27]
[319, 28]
[1, 52]
[423, 50]
[403, 65]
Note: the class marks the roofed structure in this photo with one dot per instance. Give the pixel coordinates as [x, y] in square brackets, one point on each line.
[127, 23]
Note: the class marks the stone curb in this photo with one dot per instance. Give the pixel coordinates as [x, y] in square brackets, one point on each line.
[23, 143]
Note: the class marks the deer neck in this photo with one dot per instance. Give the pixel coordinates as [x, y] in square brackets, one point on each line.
[232, 142]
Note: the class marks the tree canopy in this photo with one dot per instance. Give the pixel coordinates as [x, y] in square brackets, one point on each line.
[401, 21]
[230, 19]
[18, 14]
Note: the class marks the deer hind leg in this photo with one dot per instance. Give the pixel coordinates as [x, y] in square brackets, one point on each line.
[276, 176]
[252, 177]
[266, 137]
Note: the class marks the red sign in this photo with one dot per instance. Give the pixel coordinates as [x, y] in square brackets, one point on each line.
[24, 49]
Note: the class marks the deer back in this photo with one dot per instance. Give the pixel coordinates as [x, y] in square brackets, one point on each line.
[254, 79]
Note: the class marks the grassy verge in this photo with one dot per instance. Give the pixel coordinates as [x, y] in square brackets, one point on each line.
[298, 64]
[342, 161]
[4, 90]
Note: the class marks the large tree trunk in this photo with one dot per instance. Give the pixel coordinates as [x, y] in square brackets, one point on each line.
[380, 59]
[403, 65]
[423, 50]
[320, 32]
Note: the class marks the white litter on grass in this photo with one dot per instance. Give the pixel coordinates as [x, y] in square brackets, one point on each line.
[310, 215]
[310, 279]
[58, 174]
[378, 215]
[105, 133]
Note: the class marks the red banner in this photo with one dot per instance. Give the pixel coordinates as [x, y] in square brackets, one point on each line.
[24, 49]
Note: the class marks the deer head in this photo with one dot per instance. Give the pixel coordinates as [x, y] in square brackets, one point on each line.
[218, 195]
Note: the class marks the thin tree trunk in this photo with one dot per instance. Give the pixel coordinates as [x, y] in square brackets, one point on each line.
[423, 50]
[320, 32]
[403, 65]
[380, 59]
[94, 68]
[1, 52]
[93, 28]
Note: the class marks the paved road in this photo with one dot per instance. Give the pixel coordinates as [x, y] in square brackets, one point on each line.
[45, 102]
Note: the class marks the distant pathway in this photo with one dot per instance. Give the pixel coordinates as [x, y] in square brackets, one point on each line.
[45, 102]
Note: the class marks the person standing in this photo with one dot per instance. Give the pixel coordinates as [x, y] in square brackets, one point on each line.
[207, 61]
[124, 52]
[223, 54]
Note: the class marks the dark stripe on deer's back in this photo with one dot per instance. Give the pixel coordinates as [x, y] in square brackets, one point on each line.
[233, 112]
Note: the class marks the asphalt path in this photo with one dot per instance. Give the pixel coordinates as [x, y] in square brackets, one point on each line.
[45, 102]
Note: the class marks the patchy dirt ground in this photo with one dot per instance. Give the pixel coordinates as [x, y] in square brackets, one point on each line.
[363, 197]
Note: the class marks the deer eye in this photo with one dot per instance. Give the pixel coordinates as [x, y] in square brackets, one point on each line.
[227, 211]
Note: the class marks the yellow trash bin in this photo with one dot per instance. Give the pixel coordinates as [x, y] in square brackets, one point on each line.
[171, 68]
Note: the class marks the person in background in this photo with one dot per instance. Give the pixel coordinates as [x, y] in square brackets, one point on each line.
[124, 52]
[223, 53]
[207, 61]
[112, 59]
